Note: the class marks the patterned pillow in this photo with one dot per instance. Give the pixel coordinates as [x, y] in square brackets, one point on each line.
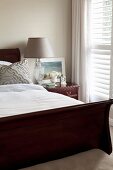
[15, 73]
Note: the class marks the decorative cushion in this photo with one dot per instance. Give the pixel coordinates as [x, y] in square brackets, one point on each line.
[15, 73]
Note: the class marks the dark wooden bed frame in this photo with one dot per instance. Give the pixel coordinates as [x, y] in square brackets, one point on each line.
[38, 137]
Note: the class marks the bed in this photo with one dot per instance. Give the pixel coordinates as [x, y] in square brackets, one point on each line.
[40, 136]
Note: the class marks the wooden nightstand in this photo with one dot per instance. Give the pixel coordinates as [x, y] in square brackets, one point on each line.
[71, 90]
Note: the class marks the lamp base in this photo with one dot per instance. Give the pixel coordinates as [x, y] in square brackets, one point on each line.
[39, 72]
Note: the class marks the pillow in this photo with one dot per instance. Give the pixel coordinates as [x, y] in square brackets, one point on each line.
[5, 63]
[15, 73]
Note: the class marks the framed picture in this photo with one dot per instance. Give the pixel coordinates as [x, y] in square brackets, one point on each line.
[52, 66]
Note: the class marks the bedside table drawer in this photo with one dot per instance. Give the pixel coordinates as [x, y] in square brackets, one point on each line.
[69, 90]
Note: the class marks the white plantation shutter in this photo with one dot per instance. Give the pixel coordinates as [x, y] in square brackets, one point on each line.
[100, 48]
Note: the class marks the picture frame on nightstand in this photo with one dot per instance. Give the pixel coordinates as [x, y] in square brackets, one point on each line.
[53, 69]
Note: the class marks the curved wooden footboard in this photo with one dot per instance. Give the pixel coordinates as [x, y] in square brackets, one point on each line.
[38, 137]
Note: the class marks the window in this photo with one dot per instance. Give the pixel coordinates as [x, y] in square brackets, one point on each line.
[100, 48]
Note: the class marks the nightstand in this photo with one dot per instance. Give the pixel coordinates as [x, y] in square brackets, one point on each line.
[71, 90]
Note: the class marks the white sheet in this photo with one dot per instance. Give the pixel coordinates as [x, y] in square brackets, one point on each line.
[26, 98]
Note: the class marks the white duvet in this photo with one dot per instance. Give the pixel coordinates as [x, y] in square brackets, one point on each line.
[25, 98]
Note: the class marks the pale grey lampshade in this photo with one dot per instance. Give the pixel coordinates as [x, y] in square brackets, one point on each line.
[38, 48]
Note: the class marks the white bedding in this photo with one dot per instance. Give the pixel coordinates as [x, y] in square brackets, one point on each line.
[26, 98]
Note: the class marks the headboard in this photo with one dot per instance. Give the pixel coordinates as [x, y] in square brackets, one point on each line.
[11, 55]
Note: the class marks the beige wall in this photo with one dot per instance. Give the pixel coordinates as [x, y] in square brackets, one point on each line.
[20, 19]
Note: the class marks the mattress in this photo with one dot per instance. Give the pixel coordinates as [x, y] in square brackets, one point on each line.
[25, 98]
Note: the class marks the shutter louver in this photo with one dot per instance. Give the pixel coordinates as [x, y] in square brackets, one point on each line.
[100, 54]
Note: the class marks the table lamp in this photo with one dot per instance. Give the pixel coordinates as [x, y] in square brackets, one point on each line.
[38, 48]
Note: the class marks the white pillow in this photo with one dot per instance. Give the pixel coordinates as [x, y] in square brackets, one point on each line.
[5, 63]
[15, 73]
